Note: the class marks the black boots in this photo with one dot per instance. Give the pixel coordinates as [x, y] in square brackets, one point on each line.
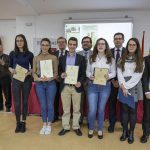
[131, 137]
[21, 127]
[124, 136]
[18, 127]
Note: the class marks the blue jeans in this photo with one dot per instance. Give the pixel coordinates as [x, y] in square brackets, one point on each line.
[46, 92]
[97, 98]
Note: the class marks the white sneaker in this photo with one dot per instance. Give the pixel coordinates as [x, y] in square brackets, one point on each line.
[48, 130]
[42, 131]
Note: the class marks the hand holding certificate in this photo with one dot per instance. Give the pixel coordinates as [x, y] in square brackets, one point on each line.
[100, 76]
[72, 74]
[46, 68]
[20, 73]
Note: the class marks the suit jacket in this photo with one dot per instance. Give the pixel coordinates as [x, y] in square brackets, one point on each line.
[57, 53]
[113, 53]
[79, 61]
[146, 75]
[82, 53]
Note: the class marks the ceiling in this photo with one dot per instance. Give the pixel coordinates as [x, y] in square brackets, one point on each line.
[9, 9]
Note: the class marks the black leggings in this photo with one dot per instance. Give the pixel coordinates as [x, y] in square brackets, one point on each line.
[21, 89]
[129, 115]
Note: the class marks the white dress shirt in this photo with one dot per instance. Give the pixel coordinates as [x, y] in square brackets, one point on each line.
[101, 63]
[129, 72]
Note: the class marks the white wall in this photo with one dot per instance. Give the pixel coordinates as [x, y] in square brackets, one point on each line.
[7, 33]
[52, 26]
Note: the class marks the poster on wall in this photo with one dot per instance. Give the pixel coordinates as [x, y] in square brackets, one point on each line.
[36, 45]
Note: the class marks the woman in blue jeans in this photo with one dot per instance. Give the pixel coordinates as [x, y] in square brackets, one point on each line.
[45, 84]
[98, 94]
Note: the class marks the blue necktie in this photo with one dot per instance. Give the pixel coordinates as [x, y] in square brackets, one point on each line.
[117, 55]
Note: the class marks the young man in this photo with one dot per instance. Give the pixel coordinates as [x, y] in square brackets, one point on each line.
[146, 102]
[117, 51]
[71, 92]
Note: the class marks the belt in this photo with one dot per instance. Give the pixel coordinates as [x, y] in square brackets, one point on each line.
[70, 84]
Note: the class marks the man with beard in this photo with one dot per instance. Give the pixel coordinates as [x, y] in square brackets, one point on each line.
[86, 52]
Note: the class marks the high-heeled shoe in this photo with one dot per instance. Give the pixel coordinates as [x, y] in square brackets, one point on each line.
[124, 135]
[131, 137]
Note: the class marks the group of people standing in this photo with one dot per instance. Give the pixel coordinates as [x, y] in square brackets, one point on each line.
[126, 69]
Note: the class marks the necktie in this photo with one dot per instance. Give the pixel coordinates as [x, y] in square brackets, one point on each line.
[117, 55]
[86, 55]
[61, 54]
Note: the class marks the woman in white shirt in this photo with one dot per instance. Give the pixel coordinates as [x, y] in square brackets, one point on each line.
[98, 94]
[130, 70]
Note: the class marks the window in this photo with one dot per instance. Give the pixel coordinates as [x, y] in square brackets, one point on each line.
[96, 30]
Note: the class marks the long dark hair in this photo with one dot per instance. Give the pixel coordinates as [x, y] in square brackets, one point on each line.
[25, 47]
[137, 56]
[107, 52]
[47, 40]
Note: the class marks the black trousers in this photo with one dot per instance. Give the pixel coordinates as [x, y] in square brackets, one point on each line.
[21, 90]
[146, 117]
[5, 86]
[56, 102]
[129, 115]
[112, 105]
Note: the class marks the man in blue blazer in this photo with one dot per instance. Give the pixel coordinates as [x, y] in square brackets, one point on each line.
[71, 92]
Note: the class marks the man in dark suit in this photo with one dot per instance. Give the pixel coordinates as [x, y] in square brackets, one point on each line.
[62, 43]
[146, 102]
[71, 92]
[117, 51]
[86, 52]
[5, 80]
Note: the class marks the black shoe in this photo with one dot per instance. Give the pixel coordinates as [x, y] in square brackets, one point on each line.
[23, 127]
[124, 135]
[63, 132]
[100, 136]
[78, 132]
[55, 119]
[131, 138]
[111, 129]
[90, 135]
[18, 127]
[7, 109]
[144, 138]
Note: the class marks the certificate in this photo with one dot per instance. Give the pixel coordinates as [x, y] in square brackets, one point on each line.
[20, 73]
[72, 74]
[46, 68]
[99, 76]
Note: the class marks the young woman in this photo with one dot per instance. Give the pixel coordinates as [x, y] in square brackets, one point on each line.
[45, 86]
[130, 69]
[98, 94]
[23, 57]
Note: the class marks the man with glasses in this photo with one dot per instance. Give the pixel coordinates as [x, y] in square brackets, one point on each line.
[117, 51]
[62, 43]
[86, 52]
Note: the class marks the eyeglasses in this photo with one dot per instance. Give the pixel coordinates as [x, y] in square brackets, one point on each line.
[19, 41]
[101, 44]
[86, 42]
[44, 45]
[132, 45]
[118, 39]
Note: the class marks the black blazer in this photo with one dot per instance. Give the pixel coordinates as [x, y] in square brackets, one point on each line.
[146, 75]
[56, 53]
[113, 53]
[80, 61]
